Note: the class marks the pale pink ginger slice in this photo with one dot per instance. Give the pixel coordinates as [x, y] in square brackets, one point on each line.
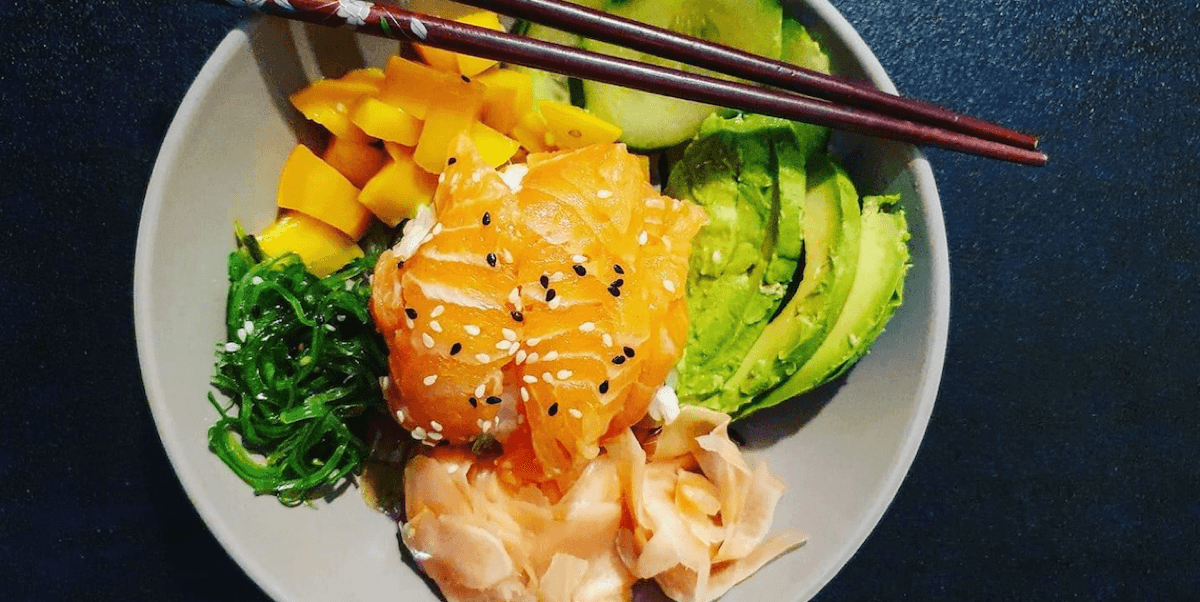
[482, 540]
[700, 516]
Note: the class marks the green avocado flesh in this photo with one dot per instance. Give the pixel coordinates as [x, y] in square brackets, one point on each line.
[876, 292]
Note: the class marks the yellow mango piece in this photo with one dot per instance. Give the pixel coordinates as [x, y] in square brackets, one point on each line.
[573, 127]
[508, 96]
[471, 65]
[442, 60]
[328, 101]
[313, 187]
[407, 84]
[453, 108]
[402, 186]
[356, 160]
[381, 120]
[368, 75]
[323, 249]
[532, 132]
[495, 148]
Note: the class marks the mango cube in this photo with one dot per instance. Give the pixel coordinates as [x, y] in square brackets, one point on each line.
[356, 160]
[407, 85]
[508, 96]
[313, 187]
[532, 132]
[495, 148]
[328, 101]
[573, 127]
[384, 121]
[323, 249]
[402, 186]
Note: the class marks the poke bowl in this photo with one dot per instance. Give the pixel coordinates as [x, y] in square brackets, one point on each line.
[842, 450]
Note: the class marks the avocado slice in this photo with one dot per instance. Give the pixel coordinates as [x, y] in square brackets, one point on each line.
[832, 227]
[877, 291]
[741, 170]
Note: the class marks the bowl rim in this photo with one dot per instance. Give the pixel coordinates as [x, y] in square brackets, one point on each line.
[185, 470]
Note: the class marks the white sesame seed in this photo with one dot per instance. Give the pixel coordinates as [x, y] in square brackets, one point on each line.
[556, 276]
[509, 333]
[435, 326]
[532, 342]
[670, 286]
[409, 324]
[483, 358]
[533, 357]
[564, 374]
[429, 442]
[575, 412]
[437, 229]
[437, 426]
[485, 426]
[551, 356]
[241, 334]
[521, 355]
[643, 237]
[428, 340]
[400, 415]
[514, 349]
[503, 345]
[231, 347]
[418, 433]
[261, 397]
[529, 378]
[451, 468]
[437, 311]
[256, 280]
[248, 327]
[524, 394]
[514, 296]
[587, 327]
[606, 339]
[508, 257]
[656, 203]
[555, 302]
[480, 390]
[331, 328]
[717, 256]
[579, 258]
[472, 330]
[384, 382]
[547, 377]
[603, 194]
[429, 380]
[434, 436]
[341, 318]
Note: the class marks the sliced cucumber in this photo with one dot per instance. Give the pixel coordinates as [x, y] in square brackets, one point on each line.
[650, 121]
[546, 85]
[799, 47]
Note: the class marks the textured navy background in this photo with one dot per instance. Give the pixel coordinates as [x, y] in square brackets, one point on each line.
[1060, 462]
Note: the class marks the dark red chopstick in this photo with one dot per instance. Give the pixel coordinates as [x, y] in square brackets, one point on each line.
[591, 23]
[393, 22]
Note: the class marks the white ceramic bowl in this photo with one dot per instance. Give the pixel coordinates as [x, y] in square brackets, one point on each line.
[842, 452]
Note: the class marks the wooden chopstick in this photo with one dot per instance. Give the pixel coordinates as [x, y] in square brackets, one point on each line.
[397, 23]
[591, 23]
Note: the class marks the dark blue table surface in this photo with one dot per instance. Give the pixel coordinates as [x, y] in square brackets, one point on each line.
[1061, 459]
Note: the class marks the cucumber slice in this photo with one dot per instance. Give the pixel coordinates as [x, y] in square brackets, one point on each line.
[650, 121]
[799, 47]
[546, 85]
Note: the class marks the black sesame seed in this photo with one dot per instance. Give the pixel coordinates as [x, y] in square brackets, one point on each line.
[618, 269]
[491, 259]
[518, 316]
[582, 271]
[455, 348]
[400, 265]
[553, 409]
[618, 283]
[618, 359]
[487, 218]
[604, 387]
[451, 160]
[614, 291]
[545, 280]
[474, 403]
[411, 313]
[550, 294]
[466, 79]
[628, 351]
[493, 400]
